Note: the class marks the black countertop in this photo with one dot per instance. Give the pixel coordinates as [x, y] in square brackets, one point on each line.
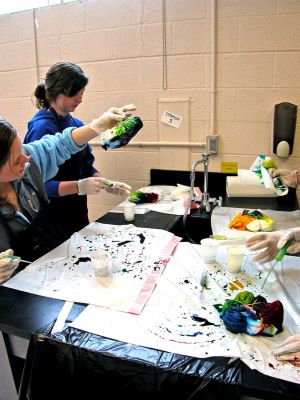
[150, 219]
[197, 225]
[217, 187]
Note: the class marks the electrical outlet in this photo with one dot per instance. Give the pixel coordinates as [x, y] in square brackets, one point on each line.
[212, 144]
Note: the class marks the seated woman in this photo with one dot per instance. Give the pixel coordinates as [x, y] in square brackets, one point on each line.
[27, 225]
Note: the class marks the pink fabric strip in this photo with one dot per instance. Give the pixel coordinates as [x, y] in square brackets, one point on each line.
[168, 250]
[150, 282]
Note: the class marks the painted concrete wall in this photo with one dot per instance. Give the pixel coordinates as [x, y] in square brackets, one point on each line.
[119, 44]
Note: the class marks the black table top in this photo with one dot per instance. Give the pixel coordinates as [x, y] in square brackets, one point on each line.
[22, 313]
[151, 219]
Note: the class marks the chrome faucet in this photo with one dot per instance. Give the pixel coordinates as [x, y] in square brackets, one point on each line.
[205, 199]
[204, 205]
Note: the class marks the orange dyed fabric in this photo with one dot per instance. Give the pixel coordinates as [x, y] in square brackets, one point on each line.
[240, 221]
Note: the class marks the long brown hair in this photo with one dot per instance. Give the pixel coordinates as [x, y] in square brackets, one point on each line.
[7, 135]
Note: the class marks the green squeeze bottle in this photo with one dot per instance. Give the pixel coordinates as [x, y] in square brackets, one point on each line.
[279, 256]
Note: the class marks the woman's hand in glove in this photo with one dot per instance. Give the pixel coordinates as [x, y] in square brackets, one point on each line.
[290, 235]
[118, 188]
[126, 109]
[7, 265]
[289, 349]
[110, 118]
[89, 186]
[272, 242]
[289, 178]
[93, 185]
[266, 242]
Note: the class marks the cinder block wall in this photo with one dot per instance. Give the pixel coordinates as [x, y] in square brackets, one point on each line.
[119, 44]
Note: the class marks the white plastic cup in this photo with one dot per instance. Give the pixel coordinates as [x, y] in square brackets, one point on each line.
[209, 250]
[129, 211]
[100, 261]
[234, 258]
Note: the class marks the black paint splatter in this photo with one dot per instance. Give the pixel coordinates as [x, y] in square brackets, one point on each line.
[82, 259]
[124, 242]
[203, 321]
[142, 238]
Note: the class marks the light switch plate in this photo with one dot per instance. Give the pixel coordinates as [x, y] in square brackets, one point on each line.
[212, 144]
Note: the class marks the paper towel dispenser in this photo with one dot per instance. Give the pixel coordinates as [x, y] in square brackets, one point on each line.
[285, 118]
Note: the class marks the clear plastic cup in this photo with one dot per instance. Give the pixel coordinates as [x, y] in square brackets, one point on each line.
[209, 250]
[234, 258]
[100, 261]
[129, 211]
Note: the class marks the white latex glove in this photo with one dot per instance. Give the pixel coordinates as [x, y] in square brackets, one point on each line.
[266, 242]
[113, 187]
[90, 186]
[292, 235]
[289, 349]
[7, 265]
[127, 108]
[110, 118]
[288, 177]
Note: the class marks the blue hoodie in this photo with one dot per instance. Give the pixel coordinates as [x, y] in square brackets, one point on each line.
[79, 166]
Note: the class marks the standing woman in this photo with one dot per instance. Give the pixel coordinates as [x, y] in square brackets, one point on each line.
[59, 96]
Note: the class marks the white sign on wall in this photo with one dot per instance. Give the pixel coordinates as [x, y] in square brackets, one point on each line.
[171, 119]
